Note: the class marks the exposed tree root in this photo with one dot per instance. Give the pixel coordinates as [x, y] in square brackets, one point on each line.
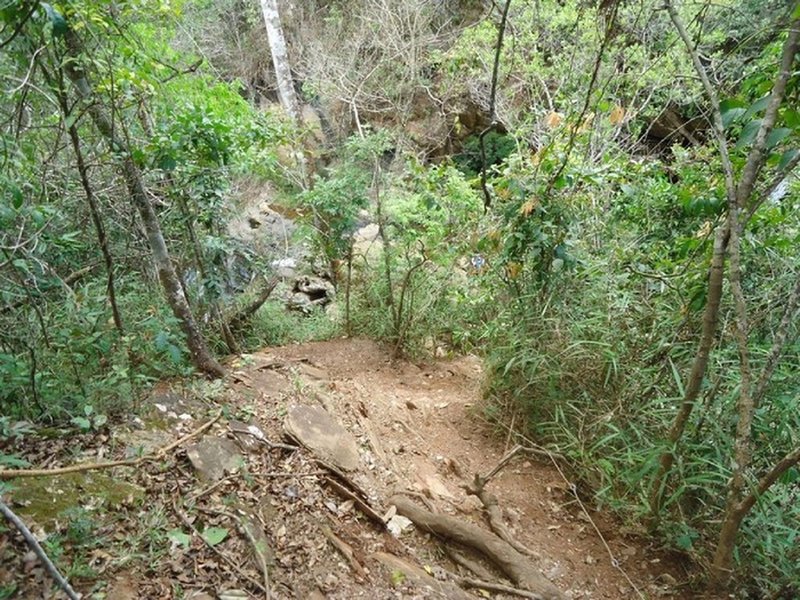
[475, 567]
[468, 583]
[509, 561]
[489, 501]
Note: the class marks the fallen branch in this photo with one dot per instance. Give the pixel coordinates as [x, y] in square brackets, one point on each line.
[188, 523]
[345, 550]
[478, 489]
[129, 462]
[511, 562]
[242, 429]
[34, 545]
[357, 500]
[238, 320]
[247, 524]
[495, 514]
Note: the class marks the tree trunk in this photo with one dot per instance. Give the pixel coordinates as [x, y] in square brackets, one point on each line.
[102, 239]
[280, 58]
[695, 382]
[200, 354]
[737, 504]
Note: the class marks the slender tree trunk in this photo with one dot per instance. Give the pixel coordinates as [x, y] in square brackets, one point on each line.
[200, 354]
[695, 381]
[280, 58]
[737, 505]
[102, 240]
[722, 564]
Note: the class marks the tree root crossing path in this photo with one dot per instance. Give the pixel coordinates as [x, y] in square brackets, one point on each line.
[336, 472]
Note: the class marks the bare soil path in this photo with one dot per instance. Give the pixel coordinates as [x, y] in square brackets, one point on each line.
[419, 431]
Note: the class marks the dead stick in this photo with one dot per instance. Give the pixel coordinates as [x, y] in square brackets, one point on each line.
[359, 502]
[194, 497]
[478, 488]
[345, 550]
[469, 583]
[257, 550]
[38, 550]
[217, 551]
[130, 462]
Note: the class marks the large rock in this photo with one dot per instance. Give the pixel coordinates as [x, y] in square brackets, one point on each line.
[310, 291]
[318, 431]
[214, 457]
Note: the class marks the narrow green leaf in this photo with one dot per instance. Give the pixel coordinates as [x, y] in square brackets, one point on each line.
[12, 460]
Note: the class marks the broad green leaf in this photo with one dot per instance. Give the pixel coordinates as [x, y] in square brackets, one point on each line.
[177, 536]
[792, 118]
[81, 422]
[214, 535]
[56, 19]
[787, 157]
[776, 136]
[100, 420]
[757, 106]
[16, 198]
[748, 134]
[732, 115]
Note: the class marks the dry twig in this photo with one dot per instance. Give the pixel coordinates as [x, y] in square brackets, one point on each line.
[128, 462]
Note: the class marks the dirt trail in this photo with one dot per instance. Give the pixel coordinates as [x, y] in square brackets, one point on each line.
[292, 526]
[421, 430]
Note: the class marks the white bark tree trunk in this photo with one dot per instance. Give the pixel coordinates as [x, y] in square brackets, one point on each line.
[280, 58]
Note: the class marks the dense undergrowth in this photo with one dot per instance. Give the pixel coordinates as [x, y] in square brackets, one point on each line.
[577, 264]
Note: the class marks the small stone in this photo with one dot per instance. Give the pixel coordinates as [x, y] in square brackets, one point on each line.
[331, 581]
[590, 560]
[667, 579]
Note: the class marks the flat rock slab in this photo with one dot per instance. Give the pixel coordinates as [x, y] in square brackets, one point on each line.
[318, 431]
[214, 457]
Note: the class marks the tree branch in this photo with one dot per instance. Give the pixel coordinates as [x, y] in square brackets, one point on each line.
[487, 198]
[38, 550]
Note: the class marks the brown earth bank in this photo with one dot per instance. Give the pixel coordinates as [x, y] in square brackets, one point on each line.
[328, 471]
